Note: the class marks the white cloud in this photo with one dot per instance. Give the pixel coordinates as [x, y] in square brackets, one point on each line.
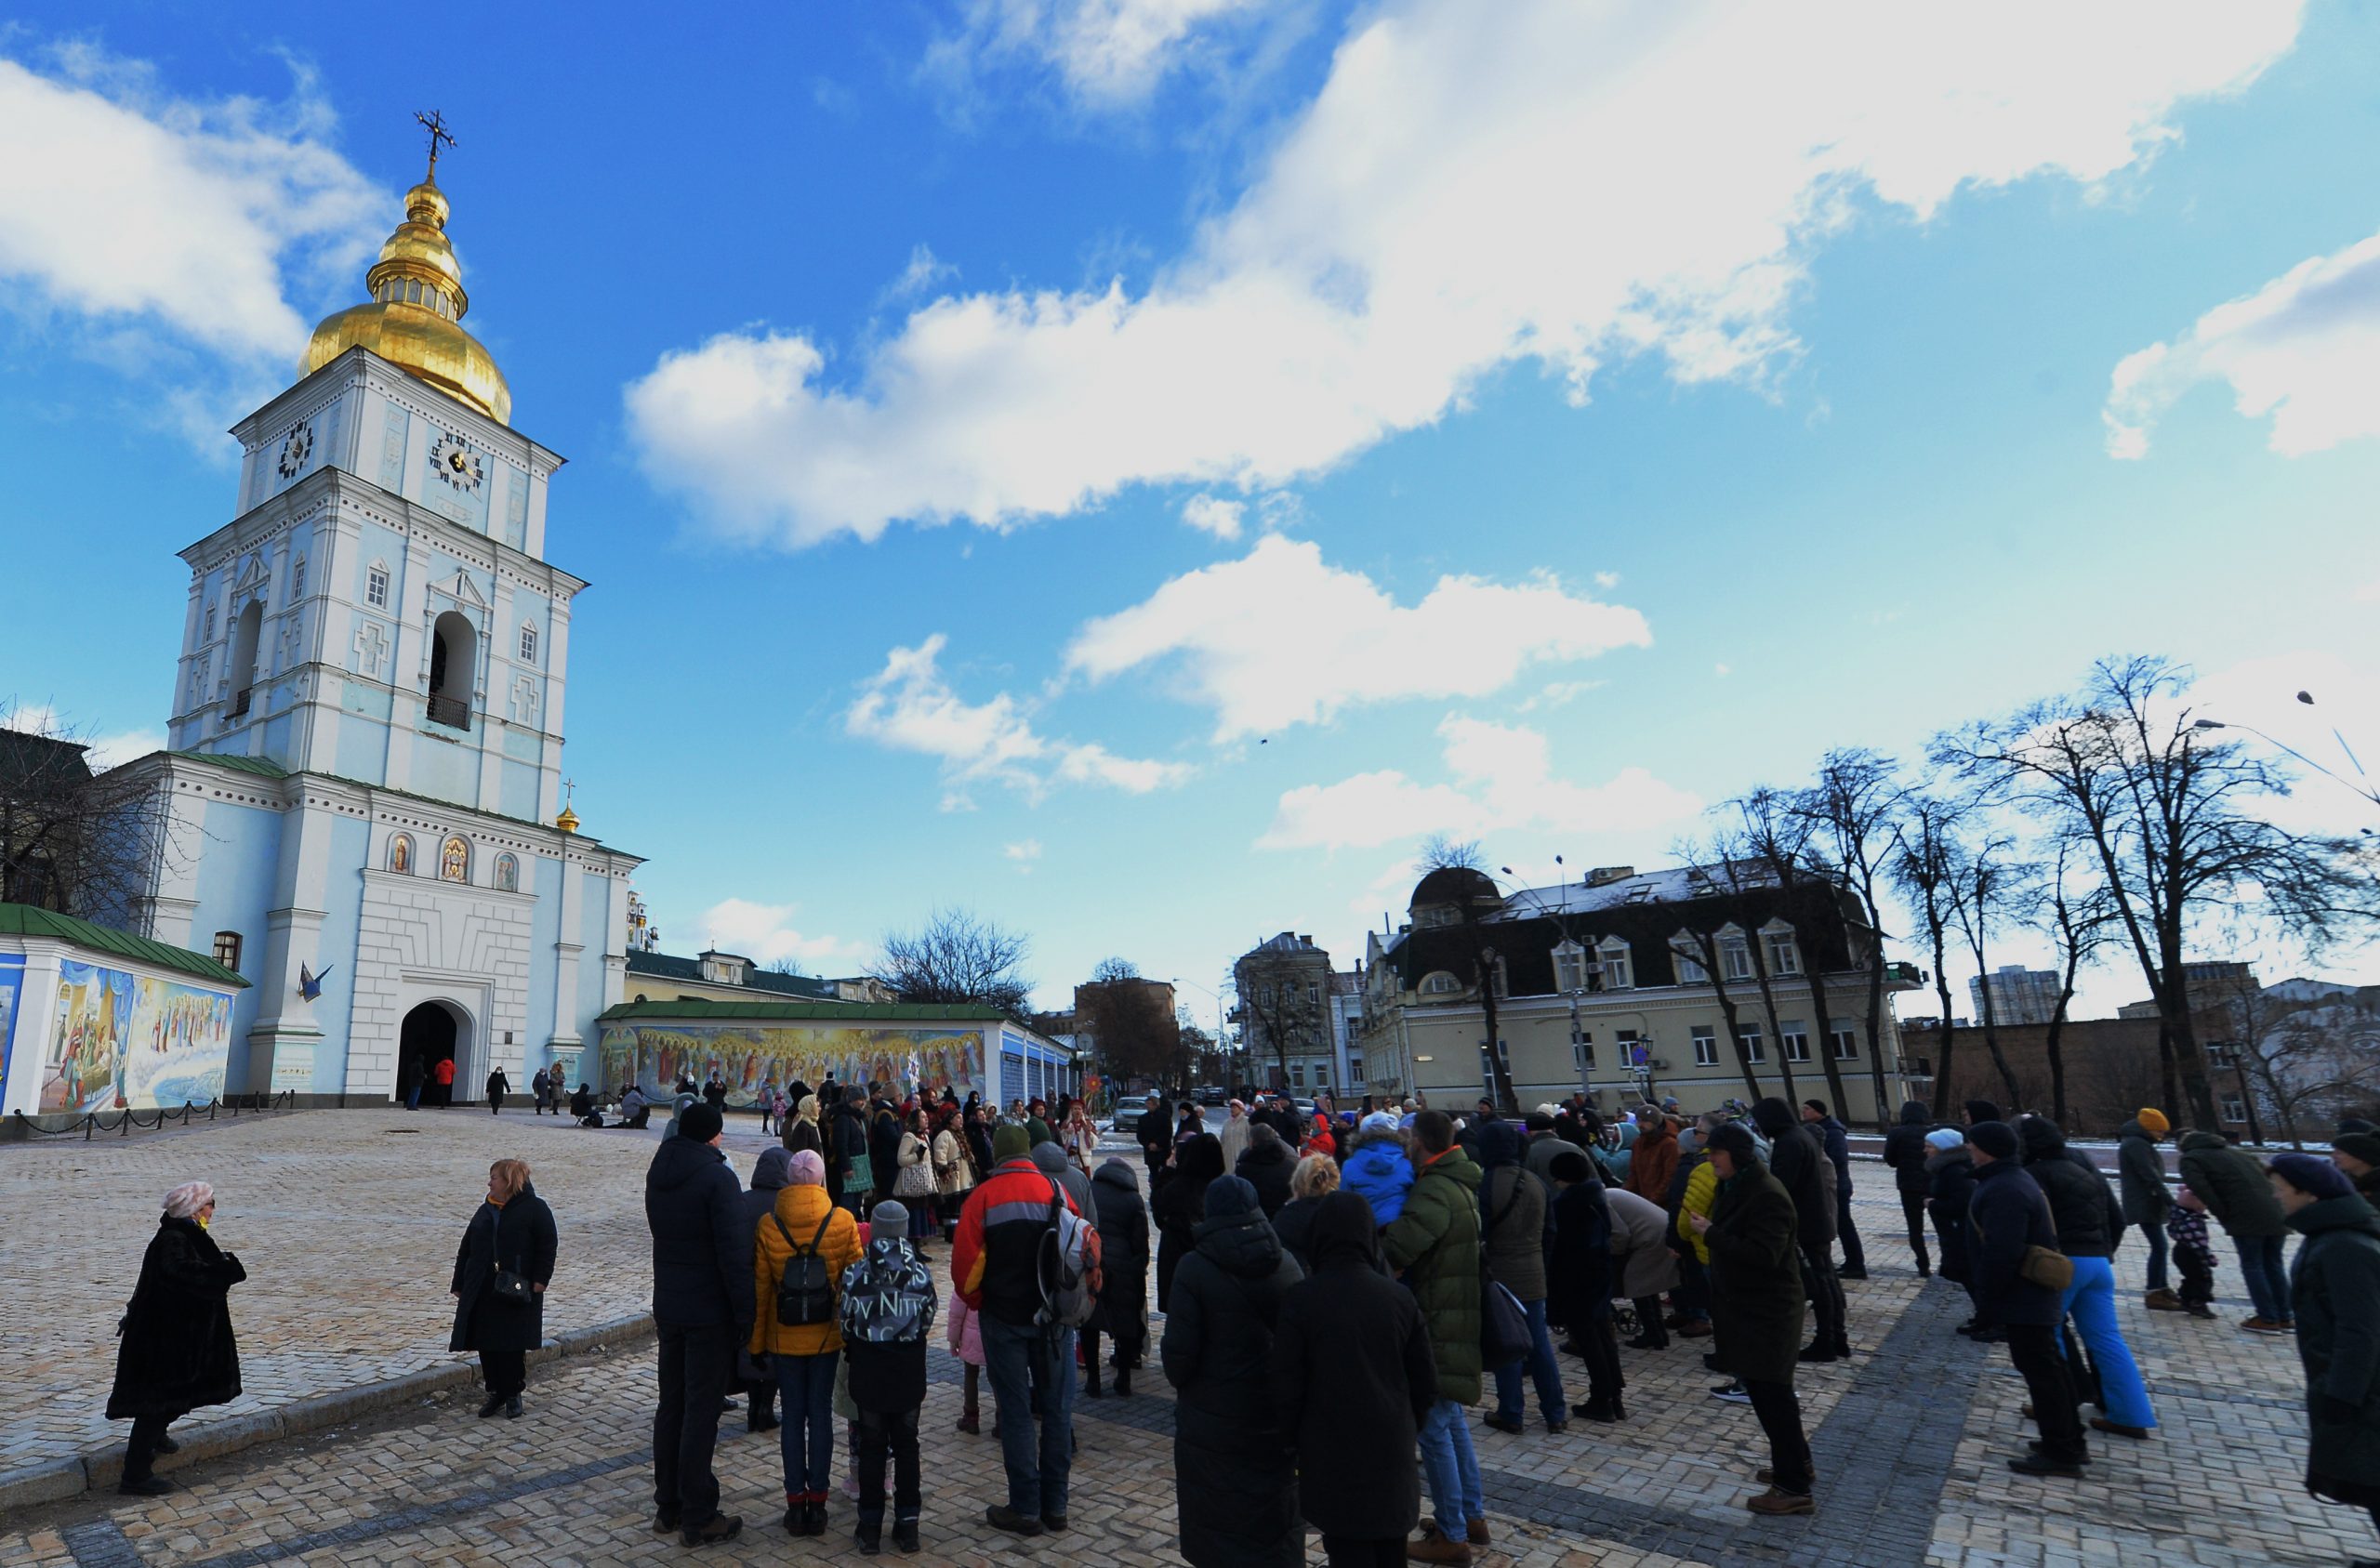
[1504, 781]
[1557, 694]
[1108, 52]
[2300, 349]
[1723, 671]
[1575, 184]
[1212, 514]
[2368, 593]
[2261, 694]
[128, 207]
[1280, 638]
[1024, 852]
[1607, 580]
[106, 748]
[765, 933]
[925, 271]
[911, 706]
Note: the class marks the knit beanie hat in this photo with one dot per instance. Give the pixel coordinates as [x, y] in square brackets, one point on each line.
[2152, 1121]
[809, 1170]
[1981, 1110]
[2317, 1178]
[1011, 1143]
[700, 1123]
[887, 1220]
[1945, 1138]
[1735, 1140]
[1995, 1139]
[2364, 1146]
[187, 1199]
[1380, 1121]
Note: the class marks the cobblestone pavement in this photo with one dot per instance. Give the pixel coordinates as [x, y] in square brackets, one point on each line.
[1909, 1437]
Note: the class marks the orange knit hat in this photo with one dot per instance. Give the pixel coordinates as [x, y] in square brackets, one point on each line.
[2153, 1121]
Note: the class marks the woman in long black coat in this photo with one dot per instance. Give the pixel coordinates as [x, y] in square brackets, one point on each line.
[1354, 1382]
[1123, 1274]
[1236, 1491]
[2336, 1280]
[177, 1354]
[1180, 1203]
[512, 1232]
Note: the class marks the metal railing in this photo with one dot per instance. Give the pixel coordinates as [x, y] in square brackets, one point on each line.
[452, 712]
[240, 703]
[125, 1122]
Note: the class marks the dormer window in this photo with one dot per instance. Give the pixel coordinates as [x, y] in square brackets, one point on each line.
[1688, 960]
[1735, 956]
[1619, 972]
[1569, 967]
[1784, 955]
[1440, 985]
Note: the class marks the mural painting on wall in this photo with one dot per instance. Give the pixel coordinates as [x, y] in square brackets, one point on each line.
[127, 1042]
[750, 1058]
[12, 980]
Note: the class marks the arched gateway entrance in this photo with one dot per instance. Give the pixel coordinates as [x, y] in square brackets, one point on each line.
[430, 1034]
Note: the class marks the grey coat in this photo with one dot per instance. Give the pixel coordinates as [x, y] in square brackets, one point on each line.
[1512, 1215]
[2140, 1171]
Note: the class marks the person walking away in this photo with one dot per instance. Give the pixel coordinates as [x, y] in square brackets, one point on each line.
[2009, 1218]
[409, 1082]
[2140, 1171]
[770, 1176]
[541, 1085]
[2335, 1280]
[913, 1183]
[1235, 1489]
[1315, 1179]
[1756, 1300]
[1834, 1141]
[888, 1303]
[2090, 1224]
[995, 1269]
[1906, 1152]
[1949, 1175]
[1640, 1246]
[1266, 1166]
[178, 1353]
[1156, 1134]
[498, 1086]
[2193, 1254]
[1801, 1167]
[1177, 1204]
[502, 1267]
[1514, 1227]
[702, 1310]
[1435, 1243]
[798, 1256]
[1123, 1275]
[1352, 1381]
[2232, 1185]
[1379, 1169]
[1580, 1281]
[443, 1072]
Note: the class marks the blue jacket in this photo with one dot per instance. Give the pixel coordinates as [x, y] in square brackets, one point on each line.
[2008, 1214]
[1381, 1172]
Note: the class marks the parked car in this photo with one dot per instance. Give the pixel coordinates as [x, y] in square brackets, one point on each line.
[1212, 1095]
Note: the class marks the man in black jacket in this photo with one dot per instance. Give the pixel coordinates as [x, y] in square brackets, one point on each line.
[702, 1301]
[1794, 1158]
[846, 1144]
[1835, 1138]
[1905, 1156]
[1156, 1133]
[2006, 1218]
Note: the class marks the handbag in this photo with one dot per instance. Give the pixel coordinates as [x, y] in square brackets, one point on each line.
[510, 1286]
[916, 1178]
[859, 1176]
[2047, 1267]
[1504, 1326]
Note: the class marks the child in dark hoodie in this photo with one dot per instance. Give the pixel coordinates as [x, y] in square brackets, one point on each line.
[2186, 1223]
[887, 1310]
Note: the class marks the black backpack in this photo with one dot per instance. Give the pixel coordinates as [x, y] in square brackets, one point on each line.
[806, 1290]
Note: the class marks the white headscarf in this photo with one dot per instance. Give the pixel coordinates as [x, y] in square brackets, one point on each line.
[185, 1201]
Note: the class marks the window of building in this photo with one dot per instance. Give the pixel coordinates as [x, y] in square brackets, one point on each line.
[1582, 1054]
[508, 873]
[1843, 1038]
[227, 949]
[1355, 1068]
[1569, 967]
[401, 855]
[298, 578]
[1619, 974]
[1688, 959]
[1438, 985]
[1735, 956]
[1706, 1045]
[210, 624]
[1297, 1074]
[1628, 1043]
[528, 645]
[1503, 981]
[2222, 1053]
[1755, 1050]
[1797, 1041]
[455, 861]
[1314, 994]
[454, 656]
[2234, 1108]
[1784, 957]
[1265, 997]
[375, 586]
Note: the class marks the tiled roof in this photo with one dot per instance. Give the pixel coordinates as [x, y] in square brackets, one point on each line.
[668, 966]
[24, 920]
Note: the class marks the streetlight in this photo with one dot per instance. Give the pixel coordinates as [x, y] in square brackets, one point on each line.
[1578, 1039]
[2363, 789]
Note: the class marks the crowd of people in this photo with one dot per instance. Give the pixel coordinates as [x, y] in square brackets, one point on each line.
[1336, 1293]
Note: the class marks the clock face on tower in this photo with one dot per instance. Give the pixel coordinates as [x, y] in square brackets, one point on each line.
[295, 449]
[452, 459]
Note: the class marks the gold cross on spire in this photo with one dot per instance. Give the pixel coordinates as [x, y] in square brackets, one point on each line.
[435, 123]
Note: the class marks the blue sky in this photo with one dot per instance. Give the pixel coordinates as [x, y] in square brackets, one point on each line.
[1135, 468]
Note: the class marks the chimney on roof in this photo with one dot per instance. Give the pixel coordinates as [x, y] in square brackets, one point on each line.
[1306, 942]
[1603, 875]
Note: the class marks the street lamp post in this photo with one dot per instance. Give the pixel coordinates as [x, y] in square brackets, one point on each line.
[2364, 789]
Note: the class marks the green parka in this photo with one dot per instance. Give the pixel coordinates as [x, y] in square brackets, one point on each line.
[1756, 1299]
[2232, 1185]
[1435, 1243]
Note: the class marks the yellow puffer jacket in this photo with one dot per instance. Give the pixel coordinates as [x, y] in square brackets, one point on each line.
[1702, 1190]
[799, 1208]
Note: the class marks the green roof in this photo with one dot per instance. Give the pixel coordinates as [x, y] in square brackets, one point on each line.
[24, 920]
[264, 766]
[826, 1013]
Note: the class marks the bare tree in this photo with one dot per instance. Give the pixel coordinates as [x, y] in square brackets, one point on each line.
[1709, 863]
[1780, 839]
[1478, 941]
[1274, 997]
[1925, 869]
[1852, 810]
[1130, 1021]
[2171, 819]
[958, 957]
[76, 840]
[1987, 884]
[2071, 909]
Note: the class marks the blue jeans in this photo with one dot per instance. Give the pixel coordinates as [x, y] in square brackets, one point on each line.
[1453, 1469]
[806, 1439]
[2092, 1301]
[2155, 1233]
[2267, 1282]
[1032, 1374]
[1540, 1365]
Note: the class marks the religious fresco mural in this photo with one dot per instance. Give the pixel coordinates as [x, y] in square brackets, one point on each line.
[12, 980]
[752, 1054]
[131, 1042]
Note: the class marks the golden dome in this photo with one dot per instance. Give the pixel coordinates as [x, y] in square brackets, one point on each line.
[411, 319]
[568, 821]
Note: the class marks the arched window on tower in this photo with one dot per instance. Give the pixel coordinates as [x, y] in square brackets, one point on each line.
[401, 855]
[453, 653]
[508, 873]
[245, 632]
